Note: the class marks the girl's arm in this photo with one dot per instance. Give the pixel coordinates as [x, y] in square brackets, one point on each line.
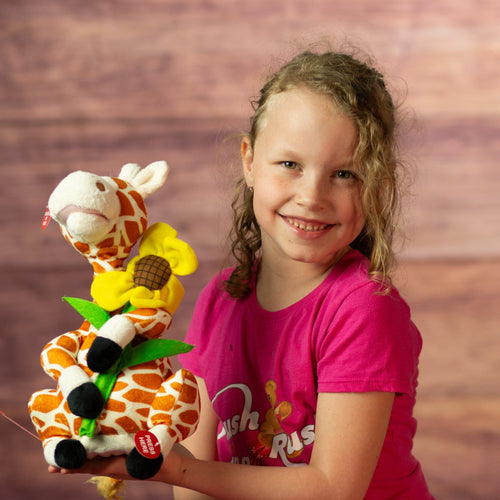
[203, 443]
[350, 431]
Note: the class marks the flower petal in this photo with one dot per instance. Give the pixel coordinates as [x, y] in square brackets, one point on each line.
[161, 239]
[112, 290]
[152, 239]
[180, 255]
[143, 298]
[172, 293]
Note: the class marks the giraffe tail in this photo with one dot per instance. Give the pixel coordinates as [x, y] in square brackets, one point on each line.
[109, 488]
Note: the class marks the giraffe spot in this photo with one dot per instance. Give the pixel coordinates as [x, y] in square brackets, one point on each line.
[108, 431]
[109, 247]
[143, 412]
[133, 230]
[176, 386]
[146, 312]
[81, 247]
[89, 339]
[146, 323]
[46, 403]
[172, 432]
[188, 394]
[126, 208]
[165, 403]
[185, 431]
[98, 269]
[76, 426]
[128, 425]
[60, 357]
[156, 331]
[120, 182]
[148, 380]
[162, 419]
[138, 199]
[162, 366]
[39, 423]
[119, 386]
[139, 396]
[60, 418]
[114, 405]
[67, 343]
[189, 417]
[116, 263]
[55, 374]
[55, 431]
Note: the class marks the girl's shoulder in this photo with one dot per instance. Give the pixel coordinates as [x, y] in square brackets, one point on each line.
[214, 290]
[350, 283]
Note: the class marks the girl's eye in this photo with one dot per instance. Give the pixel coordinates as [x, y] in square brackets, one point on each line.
[289, 164]
[345, 174]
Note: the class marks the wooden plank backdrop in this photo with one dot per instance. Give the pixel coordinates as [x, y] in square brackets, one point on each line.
[95, 84]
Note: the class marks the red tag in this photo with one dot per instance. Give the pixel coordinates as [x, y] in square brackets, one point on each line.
[46, 218]
[147, 444]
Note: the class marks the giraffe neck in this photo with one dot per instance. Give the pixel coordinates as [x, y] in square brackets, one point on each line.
[103, 257]
[108, 259]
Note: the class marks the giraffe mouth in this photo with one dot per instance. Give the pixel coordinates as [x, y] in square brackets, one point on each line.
[64, 214]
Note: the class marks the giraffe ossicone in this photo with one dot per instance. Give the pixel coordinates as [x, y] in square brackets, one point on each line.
[130, 386]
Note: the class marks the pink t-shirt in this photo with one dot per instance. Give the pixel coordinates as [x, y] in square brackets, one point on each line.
[263, 370]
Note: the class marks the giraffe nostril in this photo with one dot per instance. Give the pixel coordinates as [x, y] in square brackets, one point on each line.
[100, 186]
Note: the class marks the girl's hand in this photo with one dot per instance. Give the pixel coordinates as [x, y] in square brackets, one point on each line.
[100, 466]
[116, 468]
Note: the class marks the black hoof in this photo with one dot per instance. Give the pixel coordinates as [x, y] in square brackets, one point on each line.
[103, 354]
[70, 454]
[86, 401]
[140, 467]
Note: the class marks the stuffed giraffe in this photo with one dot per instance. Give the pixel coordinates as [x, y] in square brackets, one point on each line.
[116, 391]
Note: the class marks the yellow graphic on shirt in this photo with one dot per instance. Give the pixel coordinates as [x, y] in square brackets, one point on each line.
[271, 427]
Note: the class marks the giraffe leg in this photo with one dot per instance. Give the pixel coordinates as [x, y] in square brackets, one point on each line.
[65, 453]
[173, 417]
[54, 426]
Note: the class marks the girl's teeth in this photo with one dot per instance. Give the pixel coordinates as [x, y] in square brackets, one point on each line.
[306, 227]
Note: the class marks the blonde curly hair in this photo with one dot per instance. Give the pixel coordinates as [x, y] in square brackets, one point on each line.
[358, 90]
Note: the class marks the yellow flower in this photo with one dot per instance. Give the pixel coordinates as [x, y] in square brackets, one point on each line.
[149, 280]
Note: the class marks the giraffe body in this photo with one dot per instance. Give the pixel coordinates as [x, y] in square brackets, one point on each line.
[103, 218]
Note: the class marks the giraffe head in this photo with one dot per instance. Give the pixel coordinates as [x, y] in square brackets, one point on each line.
[103, 217]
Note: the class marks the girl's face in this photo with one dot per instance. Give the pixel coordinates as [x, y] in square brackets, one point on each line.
[306, 189]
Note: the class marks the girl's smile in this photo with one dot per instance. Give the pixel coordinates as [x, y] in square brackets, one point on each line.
[306, 226]
[306, 189]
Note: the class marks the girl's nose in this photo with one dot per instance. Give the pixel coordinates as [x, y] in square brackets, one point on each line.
[312, 192]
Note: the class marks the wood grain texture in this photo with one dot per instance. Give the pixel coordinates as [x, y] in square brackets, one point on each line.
[92, 85]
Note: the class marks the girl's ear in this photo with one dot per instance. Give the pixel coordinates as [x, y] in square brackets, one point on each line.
[247, 160]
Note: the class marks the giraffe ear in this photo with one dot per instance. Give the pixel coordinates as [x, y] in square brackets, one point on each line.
[145, 180]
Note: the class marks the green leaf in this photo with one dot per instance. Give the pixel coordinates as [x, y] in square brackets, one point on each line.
[153, 349]
[93, 313]
[128, 307]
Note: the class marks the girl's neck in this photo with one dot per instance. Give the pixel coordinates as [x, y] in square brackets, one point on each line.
[281, 286]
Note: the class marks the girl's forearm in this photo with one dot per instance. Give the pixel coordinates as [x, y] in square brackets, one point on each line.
[225, 481]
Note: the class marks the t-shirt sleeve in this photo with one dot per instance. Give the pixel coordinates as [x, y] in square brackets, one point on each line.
[370, 344]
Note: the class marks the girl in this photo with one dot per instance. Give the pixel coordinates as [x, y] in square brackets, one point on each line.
[305, 353]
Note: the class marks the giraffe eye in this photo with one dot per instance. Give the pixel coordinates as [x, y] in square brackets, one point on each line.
[100, 186]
